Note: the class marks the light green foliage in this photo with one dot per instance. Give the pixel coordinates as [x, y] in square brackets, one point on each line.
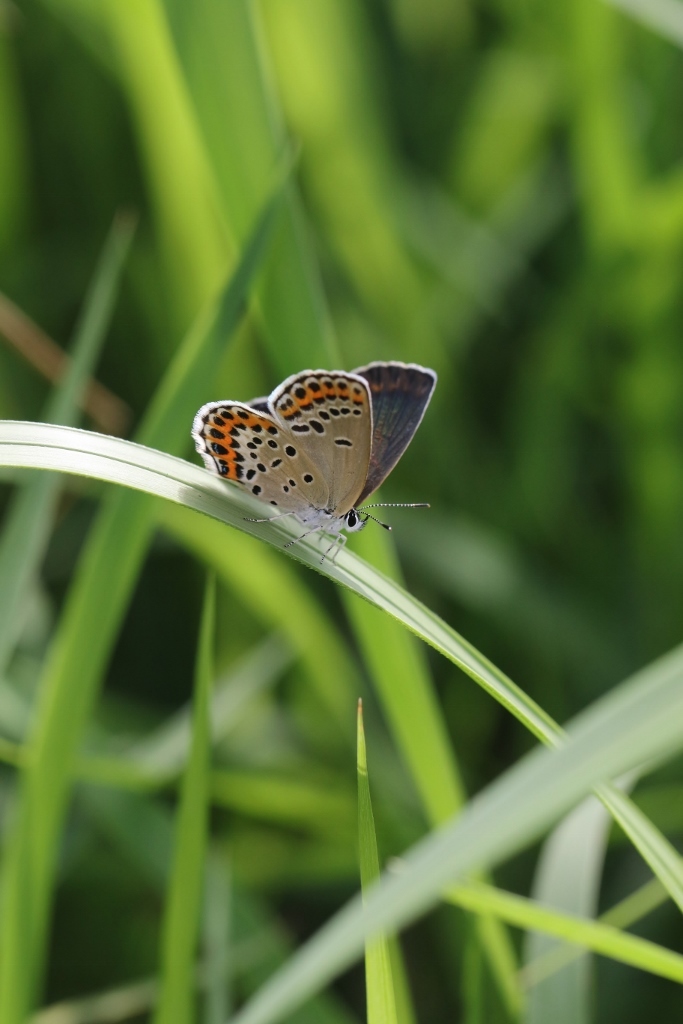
[493, 190]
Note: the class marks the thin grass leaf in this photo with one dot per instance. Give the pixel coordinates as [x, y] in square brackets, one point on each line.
[590, 934]
[622, 915]
[30, 515]
[96, 604]
[403, 1000]
[217, 938]
[300, 803]
[379, 985]
[142, 468]
[184, 898]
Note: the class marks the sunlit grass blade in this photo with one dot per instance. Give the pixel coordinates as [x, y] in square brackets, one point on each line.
[94, 609]
[379, 985]
[237, 113]
[29, 519]
[117, 461]
[321, 48]
[639, 718]
[663, 16]
[192, 245]
[184, 898]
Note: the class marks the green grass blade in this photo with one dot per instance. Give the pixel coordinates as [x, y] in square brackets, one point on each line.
[192, 246]
[30, 516]
[216, 937]
[321, 48]
[641, 717]
[224, 65]
[181, 919]
[381, 1006]
[593, 935]
[622, 915]
[94, 610]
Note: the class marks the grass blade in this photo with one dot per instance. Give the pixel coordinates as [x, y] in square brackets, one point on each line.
[593, 935]
[381, 1006]
[29, 519]
[184, 900]
[243, 134]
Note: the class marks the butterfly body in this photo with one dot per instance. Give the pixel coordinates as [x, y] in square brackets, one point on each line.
[321, 443]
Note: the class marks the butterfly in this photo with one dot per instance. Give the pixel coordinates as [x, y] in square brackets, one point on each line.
[320, 444]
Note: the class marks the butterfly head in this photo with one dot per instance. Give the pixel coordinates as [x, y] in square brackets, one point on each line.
[354, 521]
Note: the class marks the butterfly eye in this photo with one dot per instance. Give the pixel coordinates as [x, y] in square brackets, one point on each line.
[353, 521]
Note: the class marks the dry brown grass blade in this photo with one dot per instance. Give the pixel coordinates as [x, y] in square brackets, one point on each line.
[109, 413]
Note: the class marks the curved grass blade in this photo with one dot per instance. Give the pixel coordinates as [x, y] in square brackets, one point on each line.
[117, 461]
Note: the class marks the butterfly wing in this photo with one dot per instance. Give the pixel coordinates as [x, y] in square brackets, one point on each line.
[400, 395]
[249, 447]
[330, 415]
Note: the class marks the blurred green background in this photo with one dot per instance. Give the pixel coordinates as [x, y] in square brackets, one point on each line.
[492, 189]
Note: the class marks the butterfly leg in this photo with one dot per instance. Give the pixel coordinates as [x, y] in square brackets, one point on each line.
[269, 519]
[302, 537]
[340, 544]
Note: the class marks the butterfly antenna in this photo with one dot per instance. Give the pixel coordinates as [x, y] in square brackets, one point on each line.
[368, 516]
[396, 504]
